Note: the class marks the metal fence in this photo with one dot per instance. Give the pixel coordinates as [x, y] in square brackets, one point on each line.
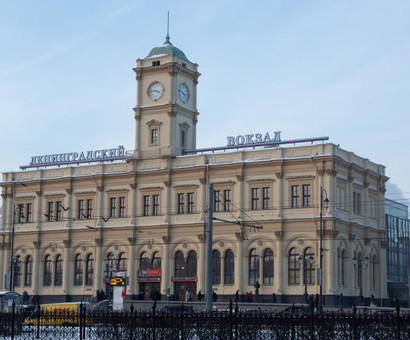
[231, 323]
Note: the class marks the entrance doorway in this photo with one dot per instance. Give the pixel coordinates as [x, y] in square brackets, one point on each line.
[182, 287]
[150, 290]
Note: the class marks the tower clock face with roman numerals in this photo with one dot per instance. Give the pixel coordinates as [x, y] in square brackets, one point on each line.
[155, 91]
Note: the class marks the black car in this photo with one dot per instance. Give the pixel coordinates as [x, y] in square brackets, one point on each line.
[177, 309]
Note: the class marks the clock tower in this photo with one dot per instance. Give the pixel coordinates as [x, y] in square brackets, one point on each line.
[166, 112]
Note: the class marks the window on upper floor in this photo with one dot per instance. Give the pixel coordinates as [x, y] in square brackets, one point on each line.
[222, 200]
[154, 137]
[117, 206]
[85, 209]
[24, 213]
[357, 205]
[186, 203]
[54, 211]
[156, 63]
[296, 201]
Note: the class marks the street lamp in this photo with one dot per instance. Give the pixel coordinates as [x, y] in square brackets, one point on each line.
[323, 203]
[304, 264]
[359, 266]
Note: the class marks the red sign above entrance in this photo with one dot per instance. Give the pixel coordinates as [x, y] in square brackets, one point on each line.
[154, 272]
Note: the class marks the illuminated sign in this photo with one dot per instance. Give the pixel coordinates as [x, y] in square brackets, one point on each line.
[103, 155]
[253, 139]
[117, 281]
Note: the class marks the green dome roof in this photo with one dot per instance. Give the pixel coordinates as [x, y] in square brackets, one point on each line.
[166, 49]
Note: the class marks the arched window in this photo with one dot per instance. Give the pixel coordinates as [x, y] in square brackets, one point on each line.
[78, 270]
[294, 268]
[191, 264]
[216, 267]
[359, 271]
[253, 267]
[156, 261]
[373, 268]
[268, 267]
[309, 260]
[122, 263]
[47, 271]
[179, 264]
[28, 273]
[89, 270]
[58, 278]
[229, 267]
[342, 268]
[144, 262]
[17, 272]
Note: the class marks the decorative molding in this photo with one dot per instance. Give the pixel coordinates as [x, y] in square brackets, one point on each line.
[331, 172]
[260, 243]
[221, 244]
[366, 184]
[69, 191]
[185, 245]
[100, 188]
[36, 244]
[132, 240]
[367, 241]
[67, 243]
[279, 234]
[279, 175]
[98, 242]
[38, 193]
[320, 172]
[202, 180]
[167, 183]
[166, 239]
[201, 238]
[350, 179]
[133, 186]
[383, 244]
[240, 178]
[240, 236]
[351, 237]
[301, 242]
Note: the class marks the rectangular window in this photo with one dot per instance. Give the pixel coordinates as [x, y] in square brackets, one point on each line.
[306, 195]
[255, 198]
[121, 211]
[154, 136]
[155, 205]
[227, 200]
[181, 203]
[20, 213]
[217, 200]
[266, 198]
[295, 196]
[89, 208]
[182, 138]
[58, 211]
[113, 206]
[146, 205]
[50, 211]
[190, 208]
[81, 210]
[28, 212]
[356, 203]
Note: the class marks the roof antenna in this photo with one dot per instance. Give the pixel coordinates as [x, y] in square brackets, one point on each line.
[167, 37]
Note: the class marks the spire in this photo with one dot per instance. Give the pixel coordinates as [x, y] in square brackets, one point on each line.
[167, 37]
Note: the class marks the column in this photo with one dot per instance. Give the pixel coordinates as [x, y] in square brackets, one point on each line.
[280, 264]
[36, 271]
[3, 264]
[222, 269]
[66, 273]
[166, 265]
[100, 200]
[239, 273]
[69, 212]
[39, 208]
[133, 187]
[99, 265]
[131, 267]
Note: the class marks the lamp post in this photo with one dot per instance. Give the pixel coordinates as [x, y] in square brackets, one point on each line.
[323, 203]
[304, 264]
[359, 266]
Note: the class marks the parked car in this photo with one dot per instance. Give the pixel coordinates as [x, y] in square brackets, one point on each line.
[296, 309]
[177, 309]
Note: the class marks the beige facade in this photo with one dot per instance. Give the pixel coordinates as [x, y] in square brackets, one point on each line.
[150, 212]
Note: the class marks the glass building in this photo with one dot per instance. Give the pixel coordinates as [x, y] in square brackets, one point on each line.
[398, 250]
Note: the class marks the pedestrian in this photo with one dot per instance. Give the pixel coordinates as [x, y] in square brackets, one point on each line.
[25, 298]
[214, 296]
[187, 295]
[237, 296]
[199, 296]
[273, 298]
[317, 302]
[372, 303]
[247, 297]
[341, 301]
[250, 296]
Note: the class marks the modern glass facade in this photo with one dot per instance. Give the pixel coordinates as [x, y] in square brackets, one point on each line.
[398, 246]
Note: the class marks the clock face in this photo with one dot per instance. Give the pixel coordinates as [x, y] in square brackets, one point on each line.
[155, 91]
[183, 93]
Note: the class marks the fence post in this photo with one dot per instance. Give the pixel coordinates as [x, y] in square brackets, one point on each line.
[398, 320]
[312, 322]
[230, 320]
[182, 321]
[38, 322]
[154, 307]
[81, 321]
[13, 311]
[236, 320]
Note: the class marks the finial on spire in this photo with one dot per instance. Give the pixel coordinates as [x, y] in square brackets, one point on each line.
[167, 37]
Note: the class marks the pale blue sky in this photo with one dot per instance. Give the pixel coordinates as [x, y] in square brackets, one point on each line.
[308, 68]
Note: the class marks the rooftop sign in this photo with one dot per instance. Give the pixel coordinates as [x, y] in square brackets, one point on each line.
[253, 139]
[104, 155]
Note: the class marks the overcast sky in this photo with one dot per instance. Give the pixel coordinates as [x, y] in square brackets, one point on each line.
[307, 68]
